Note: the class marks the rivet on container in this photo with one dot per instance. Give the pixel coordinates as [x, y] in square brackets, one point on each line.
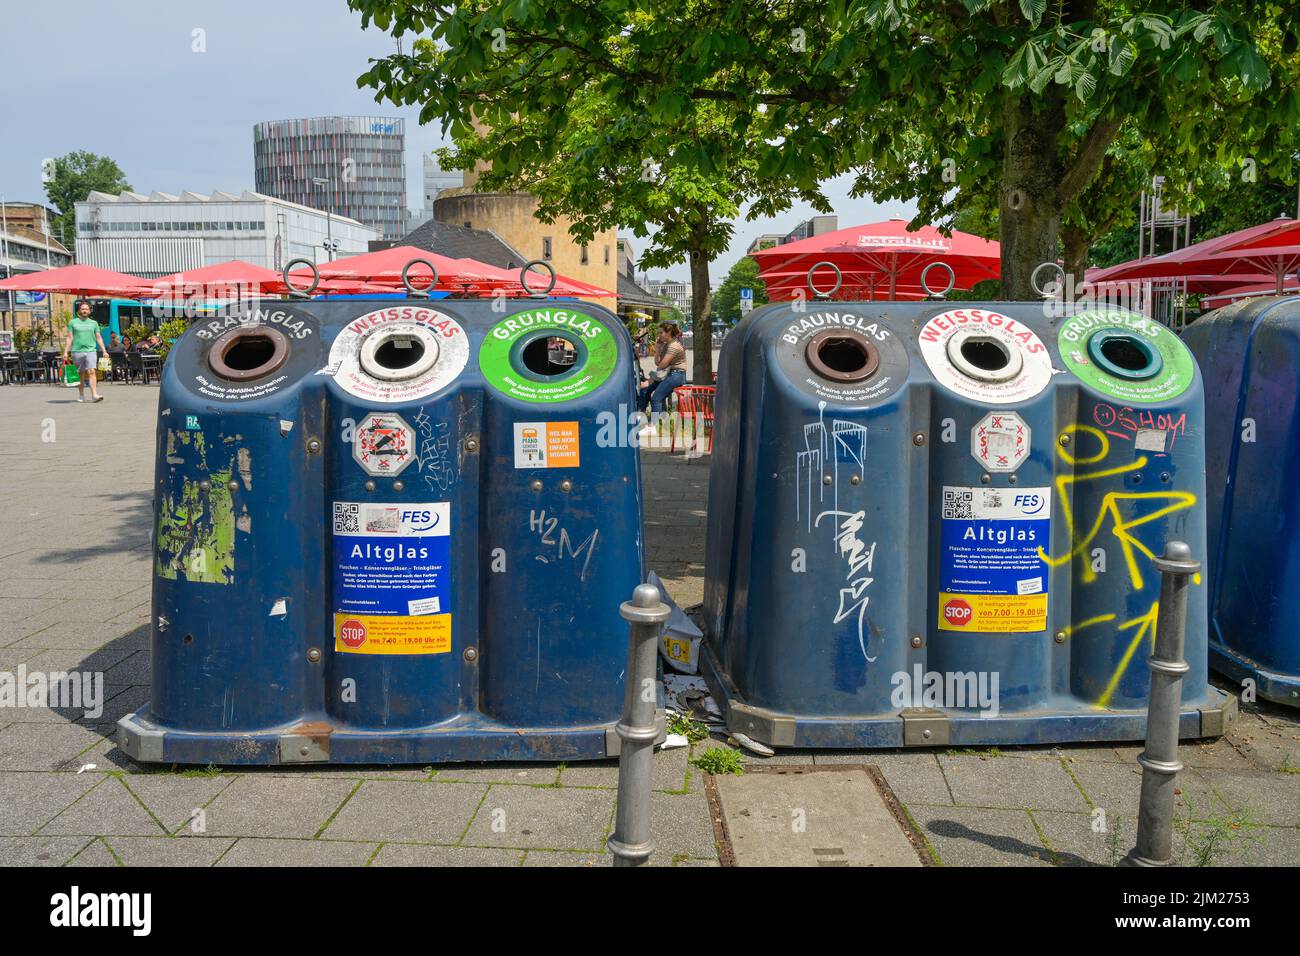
[536, 484]
[232, 485]
[566, 485]
[471, 654]
[916, 640]
[826, 479]
[918, 438]
[313, 654]
[205, 485]
[855, 480]
[985, 478]
[370, 485]
[399, 485]
[1060, 637]
[313, 446]
[471, 444]
[1064, 440]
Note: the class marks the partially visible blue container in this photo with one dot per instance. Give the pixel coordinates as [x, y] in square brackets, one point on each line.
[392, 532]
[884, 477]
[1249, 354]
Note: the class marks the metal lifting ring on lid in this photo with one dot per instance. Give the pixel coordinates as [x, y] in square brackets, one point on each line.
[523, 278]
[839, 280]
[421, 293]
[1033, 279]
[294, 291]
[952, 280]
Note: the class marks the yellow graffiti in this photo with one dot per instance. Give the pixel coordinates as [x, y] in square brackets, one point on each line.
[1146, 624]
[1110, 506]
[1099, 619]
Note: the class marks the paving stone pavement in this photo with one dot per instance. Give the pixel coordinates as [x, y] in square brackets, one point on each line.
[74, 595]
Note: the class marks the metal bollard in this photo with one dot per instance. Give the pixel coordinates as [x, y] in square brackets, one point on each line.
[1159, 760]
[645, 614]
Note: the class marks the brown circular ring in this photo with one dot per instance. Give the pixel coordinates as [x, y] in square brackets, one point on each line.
[222, 346]
[812, 355]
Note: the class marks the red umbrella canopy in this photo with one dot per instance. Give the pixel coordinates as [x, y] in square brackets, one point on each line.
[1196, 284]
[385, 268]
[538, 280]
[79, 280]
[854, 287]
[238, 278]
[1252, 291]
[885, 256]
[1271, 248]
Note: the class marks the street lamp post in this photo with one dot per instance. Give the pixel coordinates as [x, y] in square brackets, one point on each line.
[330, 245]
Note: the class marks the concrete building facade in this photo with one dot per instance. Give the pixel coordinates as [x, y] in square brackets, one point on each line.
[678, 293]
[159, 234]
[27, 245]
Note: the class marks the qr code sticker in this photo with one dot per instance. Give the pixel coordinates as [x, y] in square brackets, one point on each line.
[957, 503]
[347, 517]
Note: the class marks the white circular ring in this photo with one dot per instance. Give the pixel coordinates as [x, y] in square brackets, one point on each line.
[400, 330]
[1015, 361]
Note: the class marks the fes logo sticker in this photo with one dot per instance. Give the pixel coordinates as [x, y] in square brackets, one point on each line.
[1022, 364]
[584, 348]
[345, 354]
[1149, 362]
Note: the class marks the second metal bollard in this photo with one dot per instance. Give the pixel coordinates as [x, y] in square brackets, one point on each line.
[645, 614]
[1159, 760]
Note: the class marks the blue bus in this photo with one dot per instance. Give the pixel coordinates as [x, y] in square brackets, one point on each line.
[118, 315]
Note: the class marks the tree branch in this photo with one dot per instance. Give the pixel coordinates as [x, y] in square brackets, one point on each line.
[1087, 160]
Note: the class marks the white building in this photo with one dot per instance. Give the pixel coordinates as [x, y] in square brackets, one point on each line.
[678, 293]
[158, 234]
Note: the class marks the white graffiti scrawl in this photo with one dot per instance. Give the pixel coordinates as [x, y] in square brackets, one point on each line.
[842, 448]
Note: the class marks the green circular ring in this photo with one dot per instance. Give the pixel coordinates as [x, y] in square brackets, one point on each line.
[517, 354]
[1099, 338]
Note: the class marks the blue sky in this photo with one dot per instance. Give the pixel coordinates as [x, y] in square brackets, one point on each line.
[121, 78]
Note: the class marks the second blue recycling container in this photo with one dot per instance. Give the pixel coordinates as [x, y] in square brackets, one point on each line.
[935, 523]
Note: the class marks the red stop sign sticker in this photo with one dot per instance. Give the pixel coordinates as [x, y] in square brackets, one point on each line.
[353, 633]
[957, 612]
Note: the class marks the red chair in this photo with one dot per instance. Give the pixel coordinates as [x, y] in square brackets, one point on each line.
[695, 401]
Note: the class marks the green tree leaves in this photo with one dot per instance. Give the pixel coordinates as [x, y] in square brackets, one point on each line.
[76, 175]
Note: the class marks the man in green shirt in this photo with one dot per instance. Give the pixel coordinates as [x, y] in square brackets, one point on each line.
[84, 343]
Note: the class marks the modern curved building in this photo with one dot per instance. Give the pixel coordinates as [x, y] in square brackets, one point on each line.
[352, 166]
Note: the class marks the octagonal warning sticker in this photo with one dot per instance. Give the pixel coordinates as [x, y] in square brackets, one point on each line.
[1000, 442]
[383, 444]
[991, 577]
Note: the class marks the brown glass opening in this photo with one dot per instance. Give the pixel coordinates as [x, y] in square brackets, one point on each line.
[842, 355]
[248, 353]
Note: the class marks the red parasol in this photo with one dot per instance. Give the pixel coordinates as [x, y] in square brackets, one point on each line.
[79, 280]
[384, 268]
[1271, 248]
[243, 279]
[880, 257]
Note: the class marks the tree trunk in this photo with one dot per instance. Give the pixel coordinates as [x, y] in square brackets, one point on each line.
[1030, 211]
[1077, 242]
[701, 320]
